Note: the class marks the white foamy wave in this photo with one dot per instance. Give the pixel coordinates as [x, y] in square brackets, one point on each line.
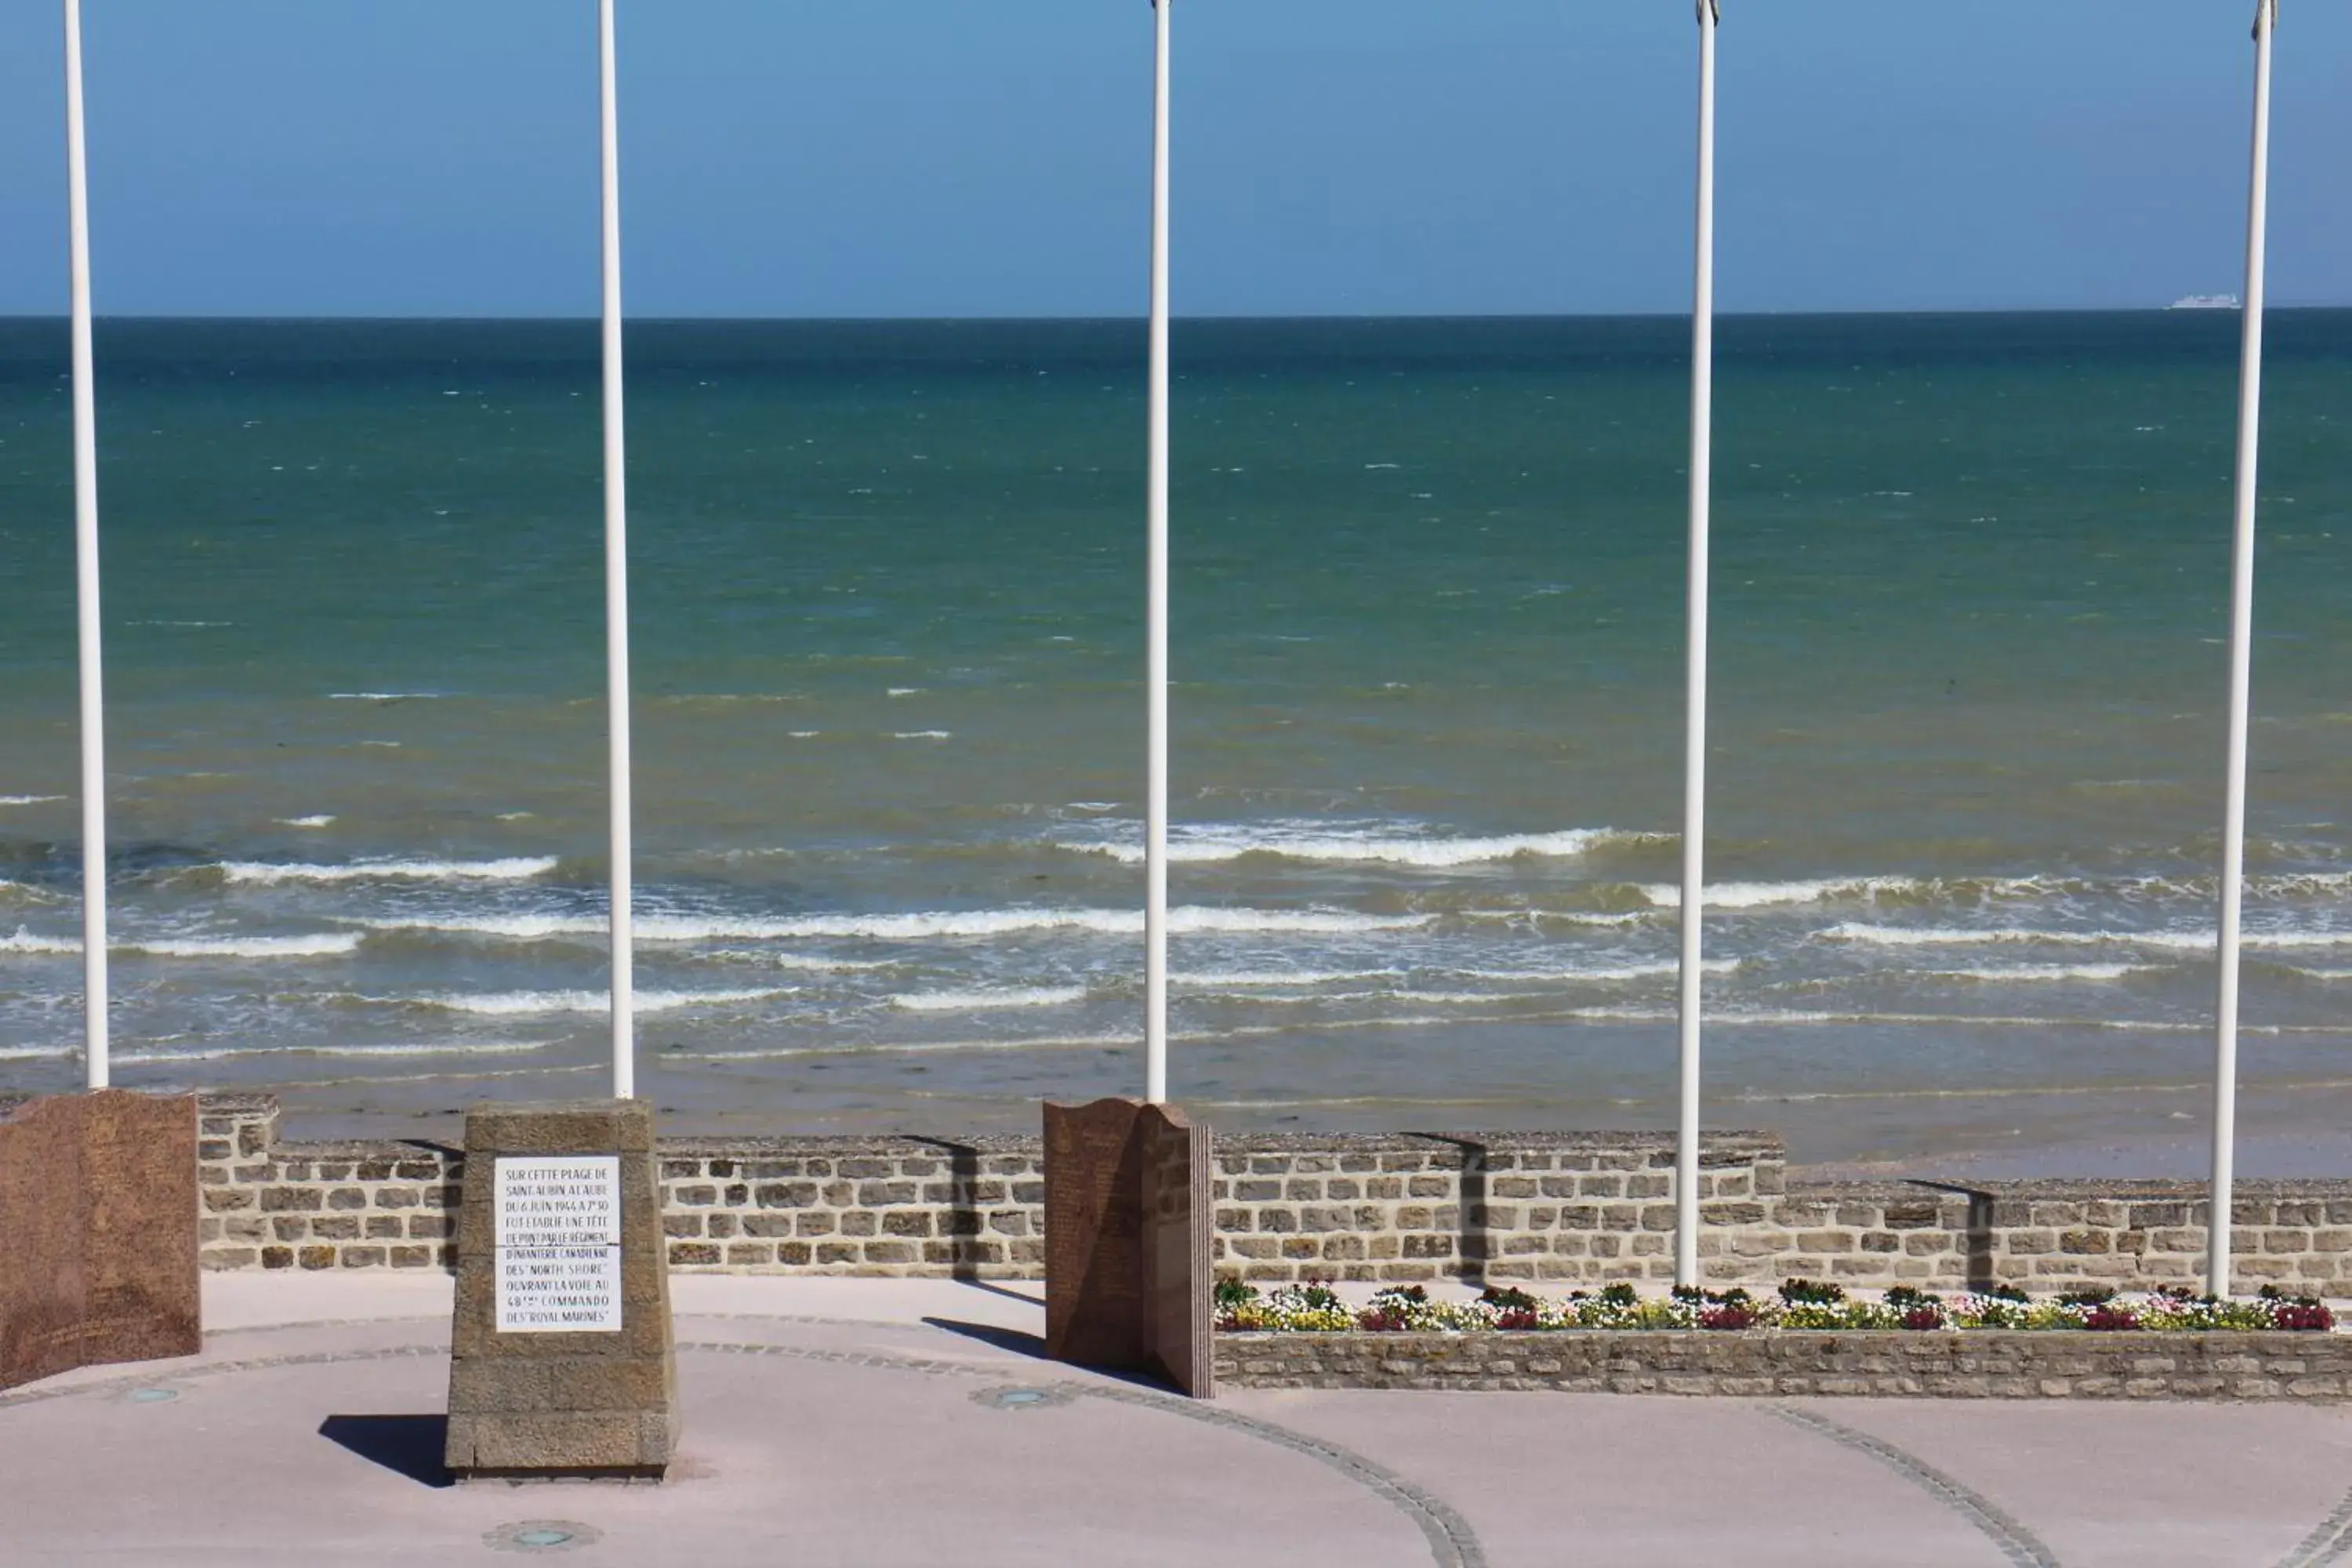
[1818, 890]
[37, 1053]
[382, 696]
[26, 942]
[323, 819]
[325, 945]
[930, 1047]
[1321, 843]
[911, 927]
[811, 963]
[1558, 917]
[28, 799]
[982, 1001]
[1237, 979]
[2177, 940]
[2003, 973]
[1006, 922]
[919, 734]
[1615, 971]
[513, 868]
[510, 928]
[440, 1048]
[499, 1004]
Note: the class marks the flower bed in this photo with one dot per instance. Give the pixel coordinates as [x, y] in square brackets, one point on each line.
[1798, 1305]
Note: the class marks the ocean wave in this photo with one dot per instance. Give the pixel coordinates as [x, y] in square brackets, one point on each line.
[921, 734]
[1874, 889]
[909, 927]
[27, 942]
[2181, 940]
[437, 1048]
[1210, 979]
[2005, 972]
[982, 1001]
[323, 944]
[1558, 917]
[512, 868]
[502, 1004]
[927, 1047]
[37, 1053]
[1320, 842]
[1646, 970]
[28, 799]
[322, 819]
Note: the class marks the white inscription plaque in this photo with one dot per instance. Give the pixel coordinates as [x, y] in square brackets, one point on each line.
[558, 1240]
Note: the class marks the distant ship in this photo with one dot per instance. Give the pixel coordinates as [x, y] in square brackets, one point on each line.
[2206, 302]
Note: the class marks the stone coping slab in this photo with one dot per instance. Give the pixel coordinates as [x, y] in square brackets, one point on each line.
[1982, 1364]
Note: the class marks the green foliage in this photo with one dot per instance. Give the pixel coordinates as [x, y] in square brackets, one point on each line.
[1812, 1293]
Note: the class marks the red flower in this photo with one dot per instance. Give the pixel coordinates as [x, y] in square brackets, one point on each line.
[2308, 1317]
[2110, 1317]
[1928, 1316]
[1381, 1321]
[1732, 1315]
[1516, 1318]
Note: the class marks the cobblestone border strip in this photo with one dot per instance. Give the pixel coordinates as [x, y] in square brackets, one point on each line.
[1452, 1543]
[159, 1373]
[2016, 1543]
[2330, 1541]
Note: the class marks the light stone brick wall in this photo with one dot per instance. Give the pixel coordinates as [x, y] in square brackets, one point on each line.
[1975, 1365]
[1565, 1209]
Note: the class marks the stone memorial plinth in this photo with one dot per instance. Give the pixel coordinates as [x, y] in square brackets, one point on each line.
[98, 1232]
[1126, 1241]
[561, 1359]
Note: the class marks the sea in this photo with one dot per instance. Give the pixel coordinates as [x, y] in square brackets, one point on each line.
[1968, 676]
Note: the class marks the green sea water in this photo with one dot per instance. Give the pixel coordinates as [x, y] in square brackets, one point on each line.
[1971, 583]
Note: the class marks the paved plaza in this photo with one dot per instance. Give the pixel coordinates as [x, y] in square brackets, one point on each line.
[870, 1422]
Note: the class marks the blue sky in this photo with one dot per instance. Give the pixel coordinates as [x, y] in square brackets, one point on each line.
[943, 157]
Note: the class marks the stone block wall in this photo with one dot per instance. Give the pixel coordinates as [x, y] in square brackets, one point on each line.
[1563, 1206]
[1975, 1365]
[270, 1205]
[1563, 1209]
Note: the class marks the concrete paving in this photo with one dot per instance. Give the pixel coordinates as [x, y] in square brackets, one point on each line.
[870, 1422]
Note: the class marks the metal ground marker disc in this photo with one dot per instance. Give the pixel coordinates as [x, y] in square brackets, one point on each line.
[542, 1535]
[151, 1396]
[1021, 1398]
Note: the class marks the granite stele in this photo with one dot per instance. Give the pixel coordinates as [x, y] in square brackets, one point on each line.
[561, 1359]
[98, 1232]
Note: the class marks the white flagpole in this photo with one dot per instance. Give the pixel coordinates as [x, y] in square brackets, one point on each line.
[2242, 629]
[616, 582]
[1155, 811]
[1695, 741]
[93, 698]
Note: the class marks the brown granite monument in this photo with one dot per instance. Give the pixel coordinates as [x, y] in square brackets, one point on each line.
[561, 1360]
[1126, 1241]
[98, 1232]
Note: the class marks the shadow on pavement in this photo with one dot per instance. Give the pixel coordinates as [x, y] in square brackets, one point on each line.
[1019, 1342]
[410, 1445]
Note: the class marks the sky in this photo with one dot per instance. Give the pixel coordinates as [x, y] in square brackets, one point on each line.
[943, 157]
